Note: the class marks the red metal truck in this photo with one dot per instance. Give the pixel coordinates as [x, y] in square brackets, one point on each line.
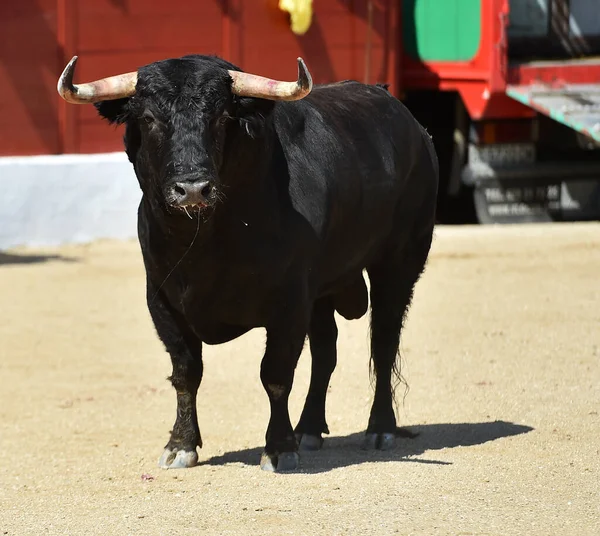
[510, 90]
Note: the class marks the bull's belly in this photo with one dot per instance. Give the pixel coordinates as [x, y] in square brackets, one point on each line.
[217, 333]
[229, 300]
[215, 323]
[230, 312]
[224, 313]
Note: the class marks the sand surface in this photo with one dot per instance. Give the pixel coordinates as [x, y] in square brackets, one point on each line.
[501, 352]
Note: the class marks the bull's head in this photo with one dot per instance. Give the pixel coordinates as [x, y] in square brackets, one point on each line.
[181, 115]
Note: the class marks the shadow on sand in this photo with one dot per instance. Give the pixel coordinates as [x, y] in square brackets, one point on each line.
[21, 258]
[343, 451]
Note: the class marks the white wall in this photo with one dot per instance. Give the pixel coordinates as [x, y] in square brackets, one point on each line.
[51, 200]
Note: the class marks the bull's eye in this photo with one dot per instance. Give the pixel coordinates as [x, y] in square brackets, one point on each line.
[222, 121]
[148, 118]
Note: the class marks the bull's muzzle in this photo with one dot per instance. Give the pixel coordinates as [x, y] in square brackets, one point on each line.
[184, 194]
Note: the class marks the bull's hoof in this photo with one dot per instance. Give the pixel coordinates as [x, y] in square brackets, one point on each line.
[278, 463]
[309, 442]
[384, 441]
[178, 459]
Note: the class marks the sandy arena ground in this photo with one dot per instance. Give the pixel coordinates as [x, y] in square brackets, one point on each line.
[502, 352]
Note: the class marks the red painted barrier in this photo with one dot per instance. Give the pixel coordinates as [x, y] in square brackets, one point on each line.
[345, 40]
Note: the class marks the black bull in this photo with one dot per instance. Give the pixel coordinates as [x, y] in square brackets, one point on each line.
[264, 213]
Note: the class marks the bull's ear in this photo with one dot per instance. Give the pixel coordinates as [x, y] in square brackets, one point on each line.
[115, 111]
[132, 140]
[253, 114]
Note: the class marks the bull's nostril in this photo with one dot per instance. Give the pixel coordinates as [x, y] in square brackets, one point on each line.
[206, 191]
[191, 192]
[179, 190]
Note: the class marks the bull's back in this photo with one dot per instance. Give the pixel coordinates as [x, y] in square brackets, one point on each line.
[351, 151]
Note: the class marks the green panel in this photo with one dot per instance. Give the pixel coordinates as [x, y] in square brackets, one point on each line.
[441, 30]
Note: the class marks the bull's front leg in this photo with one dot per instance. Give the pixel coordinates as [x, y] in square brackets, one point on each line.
[185, 350]
[285, 339]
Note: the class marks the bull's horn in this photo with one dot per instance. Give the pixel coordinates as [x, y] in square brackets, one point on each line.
[252, 85]
[113, 87]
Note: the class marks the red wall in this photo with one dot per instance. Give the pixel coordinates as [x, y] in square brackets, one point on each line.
[38, 37]
[28, 65]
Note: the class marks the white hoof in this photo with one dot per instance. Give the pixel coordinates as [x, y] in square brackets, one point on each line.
[286, 461]
[178, 459]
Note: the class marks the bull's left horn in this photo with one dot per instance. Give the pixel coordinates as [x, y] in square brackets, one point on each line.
[252, 85]
[113, 87]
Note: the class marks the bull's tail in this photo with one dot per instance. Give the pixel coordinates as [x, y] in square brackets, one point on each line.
[393, 281]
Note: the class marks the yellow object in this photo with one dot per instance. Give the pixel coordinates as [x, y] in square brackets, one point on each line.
[301, 14]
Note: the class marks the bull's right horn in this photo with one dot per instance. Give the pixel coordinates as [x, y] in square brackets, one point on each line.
[111, 88]
[252, 85]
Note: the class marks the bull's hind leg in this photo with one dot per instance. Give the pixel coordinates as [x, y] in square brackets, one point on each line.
[392, 284]
[186, 357]
[322, 334]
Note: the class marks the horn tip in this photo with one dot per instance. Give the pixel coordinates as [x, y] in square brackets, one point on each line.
[65, 81]
[70, 68]
[304, 77]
